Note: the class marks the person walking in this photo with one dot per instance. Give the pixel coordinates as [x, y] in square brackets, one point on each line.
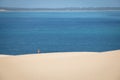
[38, 51]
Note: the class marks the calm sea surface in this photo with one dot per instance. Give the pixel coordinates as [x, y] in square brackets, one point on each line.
[25, 32]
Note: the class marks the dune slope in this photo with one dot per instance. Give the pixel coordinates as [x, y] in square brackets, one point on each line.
[61, 66]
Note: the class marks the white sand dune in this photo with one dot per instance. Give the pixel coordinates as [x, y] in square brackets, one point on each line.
[62, 66]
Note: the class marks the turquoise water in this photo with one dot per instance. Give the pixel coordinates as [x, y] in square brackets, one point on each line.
[25, 32]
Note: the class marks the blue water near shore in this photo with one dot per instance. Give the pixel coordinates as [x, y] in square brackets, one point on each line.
[25, 32]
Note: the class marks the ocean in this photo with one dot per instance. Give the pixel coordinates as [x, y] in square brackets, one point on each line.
[26, 32]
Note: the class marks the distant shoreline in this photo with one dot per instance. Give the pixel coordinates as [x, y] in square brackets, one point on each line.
[56, 10]
[62, 9]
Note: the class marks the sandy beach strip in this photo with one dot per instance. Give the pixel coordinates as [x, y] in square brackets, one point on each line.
[61, 66]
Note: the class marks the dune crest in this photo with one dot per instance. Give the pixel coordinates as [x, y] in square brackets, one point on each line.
[65, 66]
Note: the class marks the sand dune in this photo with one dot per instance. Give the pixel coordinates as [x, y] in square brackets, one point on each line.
[61, 66]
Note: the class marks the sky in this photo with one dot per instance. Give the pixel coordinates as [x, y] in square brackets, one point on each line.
[58, 3]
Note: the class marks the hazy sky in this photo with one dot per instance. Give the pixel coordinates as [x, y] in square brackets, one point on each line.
[59, 3]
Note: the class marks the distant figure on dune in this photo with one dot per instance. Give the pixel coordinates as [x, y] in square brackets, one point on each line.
[38, 51]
